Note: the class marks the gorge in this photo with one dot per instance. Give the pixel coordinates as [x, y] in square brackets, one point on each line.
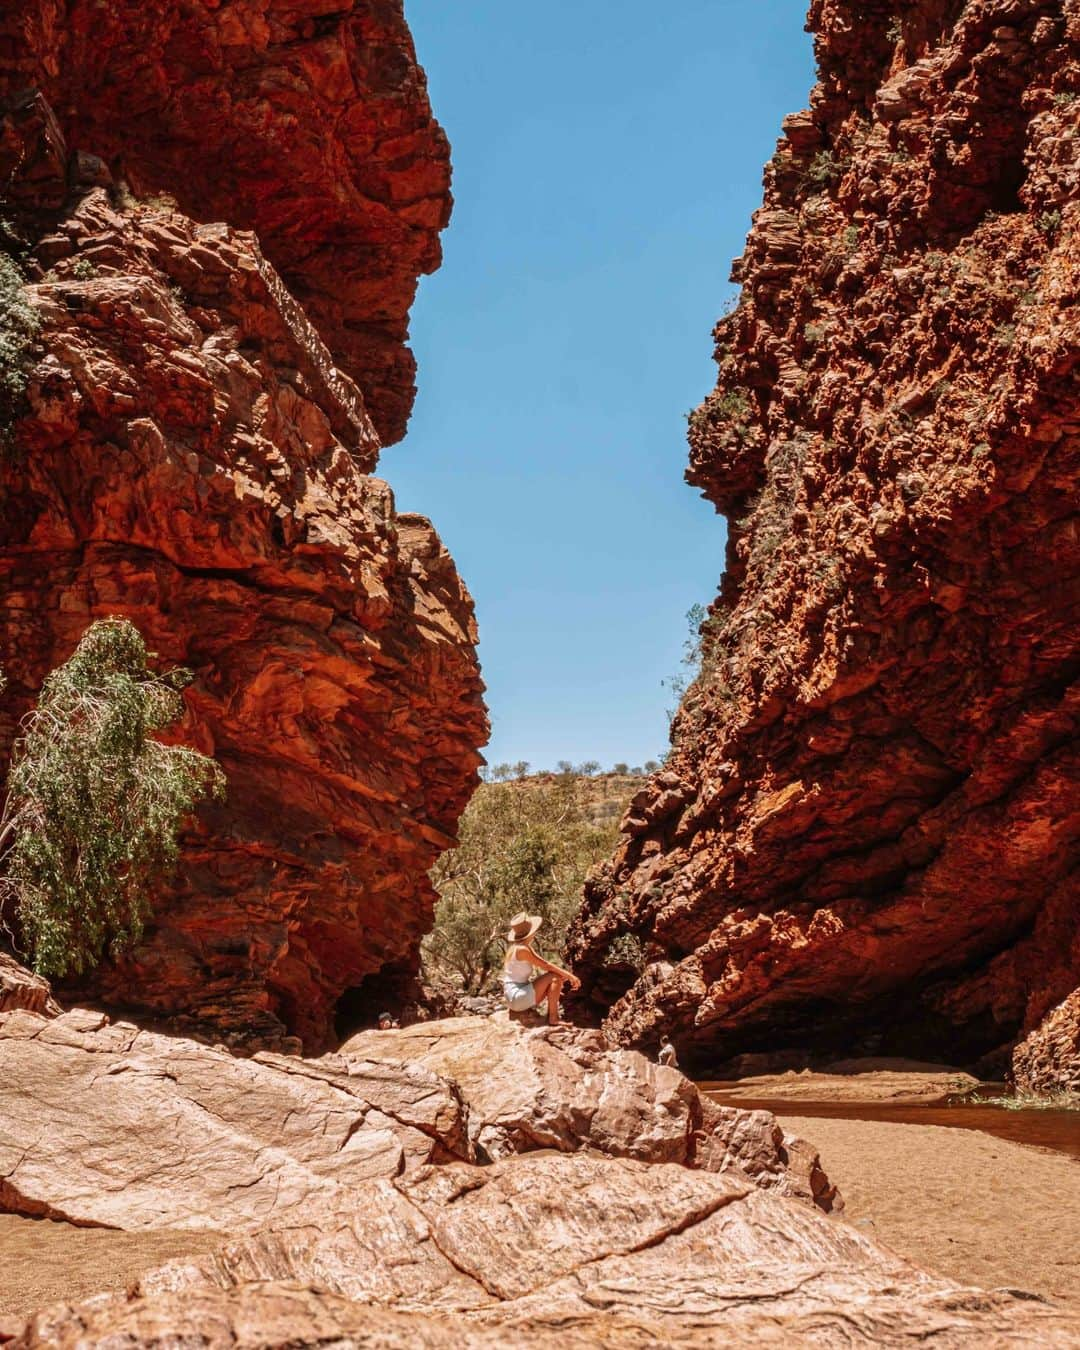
[863, 842]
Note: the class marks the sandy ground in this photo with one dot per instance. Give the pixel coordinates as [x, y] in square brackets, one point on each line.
[982, 1210]
[42, 1262]
[855, 1080]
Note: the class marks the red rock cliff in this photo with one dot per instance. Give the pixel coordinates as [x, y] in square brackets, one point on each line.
[191, 456]
[306, 122]
[865, 838]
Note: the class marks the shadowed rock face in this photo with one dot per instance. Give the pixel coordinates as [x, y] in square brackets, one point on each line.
[308, 123]
[865, 837]
[192, 457]
[1048, 1060]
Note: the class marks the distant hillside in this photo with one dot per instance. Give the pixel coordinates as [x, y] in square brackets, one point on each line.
[525, 843]
[603, 797]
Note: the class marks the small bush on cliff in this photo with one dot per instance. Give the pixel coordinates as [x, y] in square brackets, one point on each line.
[18, 325]
[700, 664]
[94, 803]
[823, 171]
[522, 846]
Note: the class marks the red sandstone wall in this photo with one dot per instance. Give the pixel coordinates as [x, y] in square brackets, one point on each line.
[193, 457]
[308, 123]
[866, 836]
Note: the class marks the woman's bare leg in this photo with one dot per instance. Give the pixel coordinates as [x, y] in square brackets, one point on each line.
[553, 993]
[540, 989]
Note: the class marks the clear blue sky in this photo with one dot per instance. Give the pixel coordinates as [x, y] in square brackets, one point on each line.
[607, 157]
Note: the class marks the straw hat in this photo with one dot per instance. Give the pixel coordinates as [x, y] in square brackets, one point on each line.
[523, 926]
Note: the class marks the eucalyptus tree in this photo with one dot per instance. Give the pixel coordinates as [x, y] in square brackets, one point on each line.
[95, 803]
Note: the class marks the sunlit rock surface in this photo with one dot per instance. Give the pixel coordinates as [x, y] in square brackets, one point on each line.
[865, 839]
[196, 457]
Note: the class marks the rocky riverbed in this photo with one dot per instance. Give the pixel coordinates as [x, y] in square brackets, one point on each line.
[447, 1184]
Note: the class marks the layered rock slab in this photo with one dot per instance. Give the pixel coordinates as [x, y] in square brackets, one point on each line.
[106, 1125]
[568, 1089]
[865, 838]
[563, 1250]
[20, 988]
[308, 124]
[193, 459]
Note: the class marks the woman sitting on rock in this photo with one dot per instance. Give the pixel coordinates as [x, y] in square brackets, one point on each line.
[527, 978]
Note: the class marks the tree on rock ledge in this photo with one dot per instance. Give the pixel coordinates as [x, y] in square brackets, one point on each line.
[94, 803]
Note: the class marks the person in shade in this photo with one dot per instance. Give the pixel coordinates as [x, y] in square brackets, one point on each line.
[528, 980]
[667, 1052]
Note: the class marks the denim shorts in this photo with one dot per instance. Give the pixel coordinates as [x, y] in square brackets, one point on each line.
[519, 997]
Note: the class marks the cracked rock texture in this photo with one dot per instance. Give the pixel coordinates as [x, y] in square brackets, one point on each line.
[105, 1125]
[172, 1133]
[555, 1250]
[353, 1208]
[307, 123]
[569, 1089]
[865, 838]
[196, 457]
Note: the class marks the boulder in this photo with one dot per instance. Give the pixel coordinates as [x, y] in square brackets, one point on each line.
[552, 1250]
[20, 988]
[107, 1125]
[567, 1088]
[1047, 1060]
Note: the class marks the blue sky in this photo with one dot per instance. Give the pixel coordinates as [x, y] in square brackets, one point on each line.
[607, 157]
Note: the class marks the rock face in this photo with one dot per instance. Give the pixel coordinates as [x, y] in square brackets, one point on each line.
[110, 1126]
[358, 1212]
[193, 458]
[568, 1089]
[21, 989]
[176, 1134]
[563, 1250]
[1048, 1060]
[865, 839]
[310, 126]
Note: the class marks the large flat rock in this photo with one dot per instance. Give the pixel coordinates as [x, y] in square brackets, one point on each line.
[108, 1125]
[556, 1250]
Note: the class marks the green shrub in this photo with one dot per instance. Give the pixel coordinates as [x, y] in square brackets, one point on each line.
[625, 950]
[18, 326]
[95, 803]
[824, 170]
[1049, 223]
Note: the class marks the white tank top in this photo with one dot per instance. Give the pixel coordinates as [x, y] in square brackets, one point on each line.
[519, 971]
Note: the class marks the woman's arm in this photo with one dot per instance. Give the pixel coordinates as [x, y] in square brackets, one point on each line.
[539, 961]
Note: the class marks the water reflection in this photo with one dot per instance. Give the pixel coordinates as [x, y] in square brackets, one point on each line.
[1049, 1127]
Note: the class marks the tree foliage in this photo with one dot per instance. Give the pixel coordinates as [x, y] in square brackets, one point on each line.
[523, 847]
[18, 326]
[94, 803]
